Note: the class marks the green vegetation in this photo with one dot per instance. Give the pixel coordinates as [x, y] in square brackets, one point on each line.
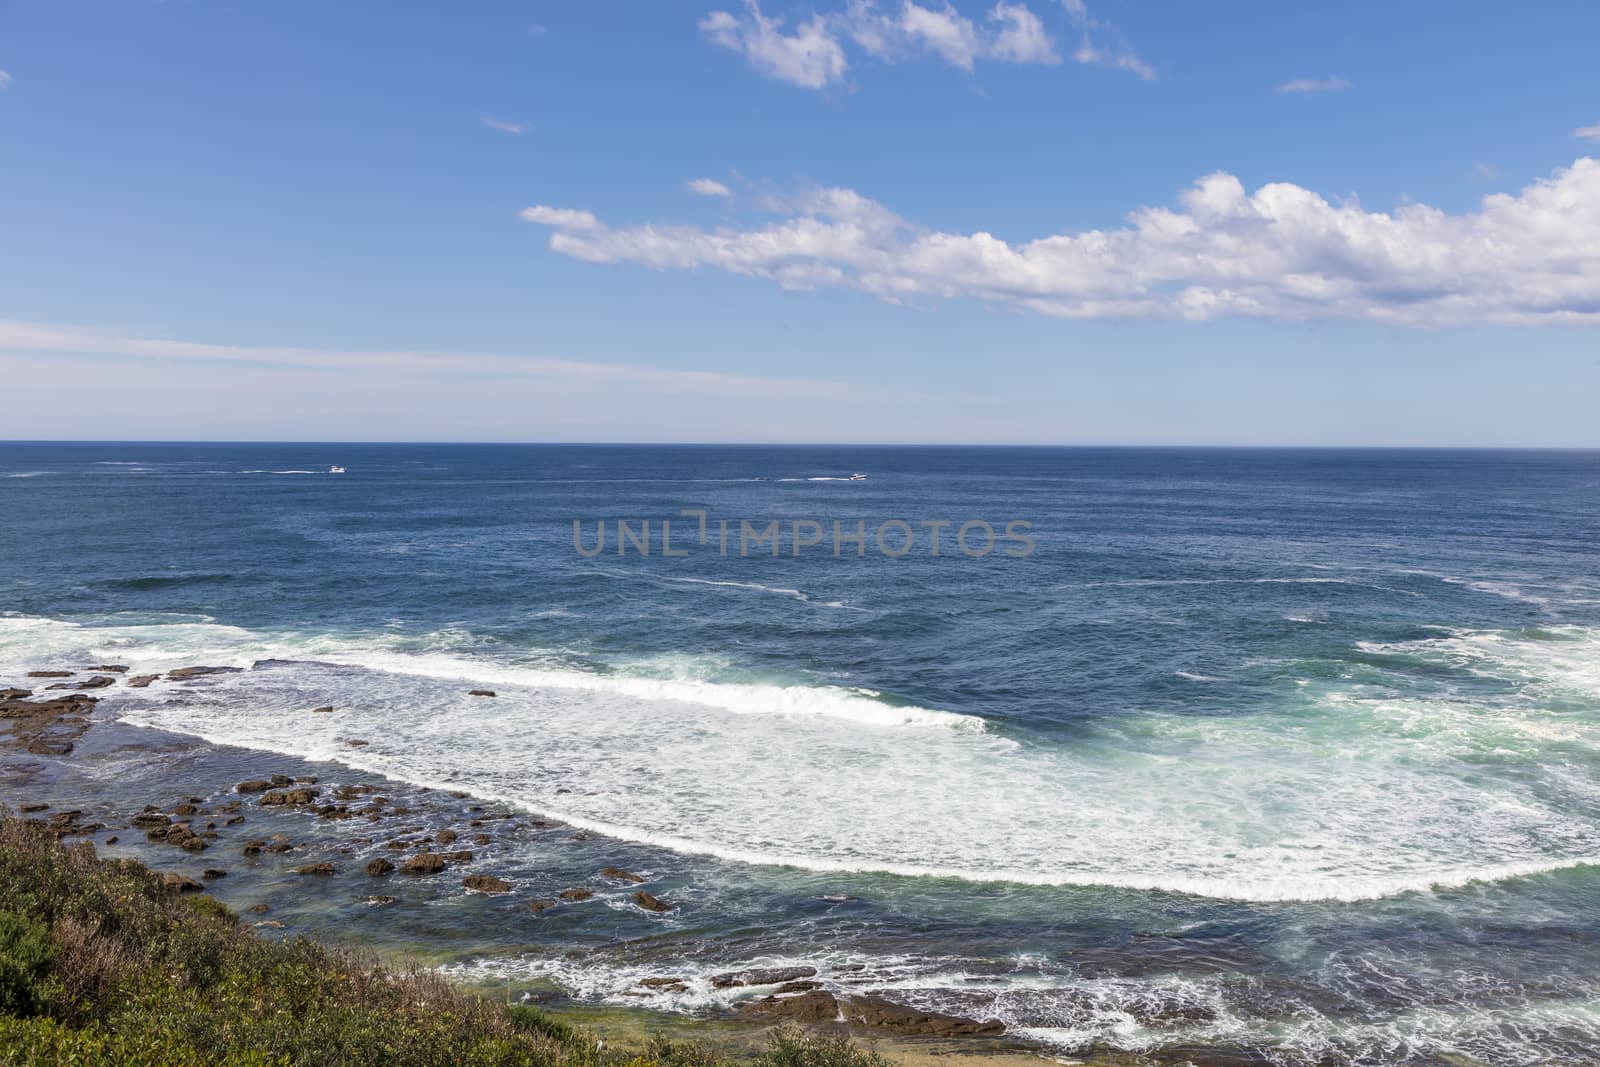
[101, 963]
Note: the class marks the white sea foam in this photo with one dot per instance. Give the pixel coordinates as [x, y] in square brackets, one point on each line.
[1340, 795]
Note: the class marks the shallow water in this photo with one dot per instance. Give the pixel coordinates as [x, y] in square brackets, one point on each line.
[1289, 751]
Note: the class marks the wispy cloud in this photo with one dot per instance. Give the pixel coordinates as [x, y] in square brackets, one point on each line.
[1316, 85]
[503, 126]
[1280, 253]
[707, 187]
[1588, 133]
[5, 79]
[814, 51]
[34, 339]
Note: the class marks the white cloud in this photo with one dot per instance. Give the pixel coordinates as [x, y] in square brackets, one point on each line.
[814, 54]
[36, 339]
[707, 187]
[1280, 253]
[1588, 133]
[1315, 85]
[810, 57]
[5, 79]
[502, 125]
[1099, 43]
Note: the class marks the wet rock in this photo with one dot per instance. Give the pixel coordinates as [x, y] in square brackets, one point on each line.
[884, 1014]
[379, 867]
[463, 856]
[259, 909]
[15, 694]
[536, 906]
[796, 987]
[29, 809]
[111, 668]
[45, 727]
[817, 1006]
[254, 785]
[316, 868]
[212, 873]
[620, 875]
[356, 742]
[481, 839]
[761, 976]
[445, 837]
[49, 674]
[112, 839]
[377, 901]
[651, 903]
[578, 893]
[147, 819]
[99, 681]
[486, 883]
[289, 797]
[253, 848]
[141, 681]
[326, 709]
[481, 693]
[424, 863]
[177, 883]
[185, 673]
[666, 985]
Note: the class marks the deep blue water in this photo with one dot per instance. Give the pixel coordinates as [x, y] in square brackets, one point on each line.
[1289, 750]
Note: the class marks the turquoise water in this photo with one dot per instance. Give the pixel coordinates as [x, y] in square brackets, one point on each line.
[1288, 751]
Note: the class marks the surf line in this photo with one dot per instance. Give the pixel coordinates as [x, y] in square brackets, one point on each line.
[893, 538]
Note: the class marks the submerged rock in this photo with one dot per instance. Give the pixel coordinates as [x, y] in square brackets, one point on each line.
[536, 906]
[651, 903]
[185, 673]
[620, 875]
[577, 893]
[486, 883]
[379, 867]
[316, 868]
[445, 837]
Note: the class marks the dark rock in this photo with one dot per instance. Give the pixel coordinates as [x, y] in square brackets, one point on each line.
[111, 668]
[29, 809]
[796, 987]
[651, 903]
[481, 693]
[817, 1006]
[620, 875]
[485, 883]
[481, 839]
[762, 976]
[576, 894]
[667, 985]
[379, 867]
[536, 906]
[463, 856]
[316, 868]
[423, 863]
[253, 848]
[112, 839]
[213, 872]
[99, 681]
[259, 909]
[177, 883]
[356, 742]
[141, 681]
[254, 785]
[877, 1012]
[15, 694]
[49, 674]
[289, 797]
[324, 710]
[445, 837]
[185, 673]
[147, 819]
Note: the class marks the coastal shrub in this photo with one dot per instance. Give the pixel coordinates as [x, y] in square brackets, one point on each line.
[791, 1047]
[26, 955]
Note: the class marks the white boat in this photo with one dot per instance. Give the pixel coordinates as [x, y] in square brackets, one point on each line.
[858, 477]
[335, 470]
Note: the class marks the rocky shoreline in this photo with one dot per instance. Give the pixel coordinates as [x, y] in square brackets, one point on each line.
[268, 830]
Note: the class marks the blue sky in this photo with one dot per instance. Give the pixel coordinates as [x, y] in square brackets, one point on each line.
[473, 222]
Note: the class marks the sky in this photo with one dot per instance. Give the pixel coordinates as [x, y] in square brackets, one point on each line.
[875, 221]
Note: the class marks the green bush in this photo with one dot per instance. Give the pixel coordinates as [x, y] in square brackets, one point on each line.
[26, 956]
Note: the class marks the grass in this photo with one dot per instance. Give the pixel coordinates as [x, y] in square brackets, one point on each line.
[100, 963]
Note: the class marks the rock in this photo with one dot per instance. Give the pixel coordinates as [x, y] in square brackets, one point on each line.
[29, 809]
[211, 873]
[423, 863]
[316, 868]
[111, 668]
[485, 883]
[576, 894]
[378, 902]
[463, 856]
[15, 694]
[177, 883]
[259, 909]
[817, 1006]
[253, 848]
[185, 673]
[481, 693]
[289, 797]
[379, 867]
[325, 710]
[445, 837]
[536, 906]
[481, 839]
[147, 819]
[99, 681]
[254, 785]
[49, 674]
[141, 681]
[651, 903]
[762, 976]
[112, 839]
[620, 875]
[885, 1014]
[669, 985]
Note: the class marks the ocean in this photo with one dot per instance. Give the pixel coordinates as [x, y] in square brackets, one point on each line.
[1292, 752]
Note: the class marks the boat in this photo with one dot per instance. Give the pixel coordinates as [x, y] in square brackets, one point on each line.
[335, 470]
[858, 477]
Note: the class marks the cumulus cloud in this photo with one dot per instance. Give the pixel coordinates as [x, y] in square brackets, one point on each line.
[1281, 253]
[1315, 85]
[1588, 133]
[813, 52]
[707, 187]
[502, 125]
